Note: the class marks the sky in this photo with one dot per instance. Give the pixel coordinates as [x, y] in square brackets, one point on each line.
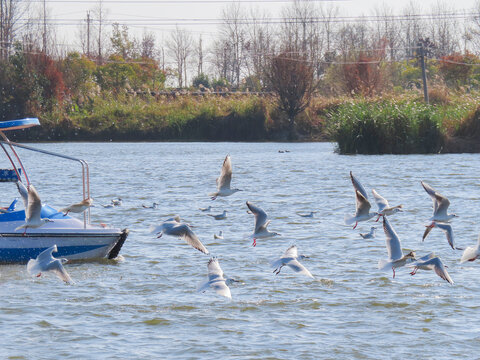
[160, 16]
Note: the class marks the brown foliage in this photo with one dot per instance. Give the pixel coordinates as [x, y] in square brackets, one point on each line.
[51, 77]
[363, 76]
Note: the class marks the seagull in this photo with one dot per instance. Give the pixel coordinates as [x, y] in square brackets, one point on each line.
[219, 236]
[78, 207]
[221, 216]
[447, 228]
[205, 209]
[394, 249]
[261, 223]
[174, 227]
[440, 205]
[33, 211]
[369, 235]
[216, 279]
[310, 215]
[383, 207]
[362, 211]
[471, 253]
[223, 181]
[362, 205]
[432, 264]
[154, 206]
[117, 202]
[291, 259]
[46, 262]
[23, 193]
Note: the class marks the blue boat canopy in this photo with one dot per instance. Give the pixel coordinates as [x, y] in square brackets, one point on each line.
[18, 124]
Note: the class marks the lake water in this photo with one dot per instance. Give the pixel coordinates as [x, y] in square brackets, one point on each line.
[147, 306]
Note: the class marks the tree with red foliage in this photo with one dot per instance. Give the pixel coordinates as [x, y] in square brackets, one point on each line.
[291, 77]
[363, 76]
[457, 68]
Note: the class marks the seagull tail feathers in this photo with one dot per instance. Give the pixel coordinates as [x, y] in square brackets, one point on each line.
[349, 219]
[384, 265]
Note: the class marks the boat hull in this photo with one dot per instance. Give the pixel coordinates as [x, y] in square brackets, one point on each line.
[18, 248]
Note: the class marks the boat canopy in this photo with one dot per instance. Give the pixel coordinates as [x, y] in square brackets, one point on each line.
[18, 124]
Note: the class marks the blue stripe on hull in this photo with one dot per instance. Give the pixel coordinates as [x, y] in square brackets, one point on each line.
[24, 254]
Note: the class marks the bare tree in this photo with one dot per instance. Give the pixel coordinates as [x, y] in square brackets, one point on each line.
[180, 47]
[148, 46]
[100, 16]
[443, 29]
[291, 78]
[10, 13]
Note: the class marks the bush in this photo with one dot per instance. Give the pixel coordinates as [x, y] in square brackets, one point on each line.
[201, 79]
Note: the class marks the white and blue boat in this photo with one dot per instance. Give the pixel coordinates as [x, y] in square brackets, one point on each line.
[75, 239]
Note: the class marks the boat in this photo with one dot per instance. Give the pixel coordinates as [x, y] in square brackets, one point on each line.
[75, 239]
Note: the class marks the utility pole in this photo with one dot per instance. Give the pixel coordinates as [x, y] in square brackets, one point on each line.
[424, 72]
[200, 57]
[88, 34]
[44, 28]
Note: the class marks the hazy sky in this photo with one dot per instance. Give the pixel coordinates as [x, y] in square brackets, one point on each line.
[159, 17]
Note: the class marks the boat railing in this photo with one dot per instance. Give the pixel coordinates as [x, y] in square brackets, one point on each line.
[84, 164]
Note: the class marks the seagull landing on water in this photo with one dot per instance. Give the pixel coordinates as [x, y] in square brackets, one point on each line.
[362, 205]
[261, 223]
[396, 258]
[33, 211]
[174, 227]
[440, 205]
[78, 207]
[46, 262]
[291, 259]
[221, 216]
[369, 235]
[216, 280]
[447, 229]
[384, 208]
[224, 180]
[471, 253]
[434, 264]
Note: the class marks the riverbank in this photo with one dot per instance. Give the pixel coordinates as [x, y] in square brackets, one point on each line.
[388, 124]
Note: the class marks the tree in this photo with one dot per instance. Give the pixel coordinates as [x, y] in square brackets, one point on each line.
[291, 77]
[121, 44]
[180, 47]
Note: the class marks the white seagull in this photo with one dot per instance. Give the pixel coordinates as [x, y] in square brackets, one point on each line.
[394, 249]
[33, 211]
[471, 253]
[291, 259]
[434, 264]
[384, 208]
[216, 280]
[208, 208]
[46, 262]
[440, 205]
[219, 236]
[369, 235]
[78, 207]
[174, 227]
[224, 180]
[261, 223]
[447, 228]
[221, 216]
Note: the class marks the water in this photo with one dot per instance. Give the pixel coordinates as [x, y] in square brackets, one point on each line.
[146, 306]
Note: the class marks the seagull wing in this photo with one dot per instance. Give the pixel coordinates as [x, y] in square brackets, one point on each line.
[221, 288]
[260, 216]
[394, 248]
[430, 191]
[382, 203]
[439, 269]
[447, 228]
[34, 206]
[427, 231]
[362, 204]
[358, 186]
[57, 268]
[223, 181]
[190, 237]
[442, 204]
[299, 268]
[23, 193]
